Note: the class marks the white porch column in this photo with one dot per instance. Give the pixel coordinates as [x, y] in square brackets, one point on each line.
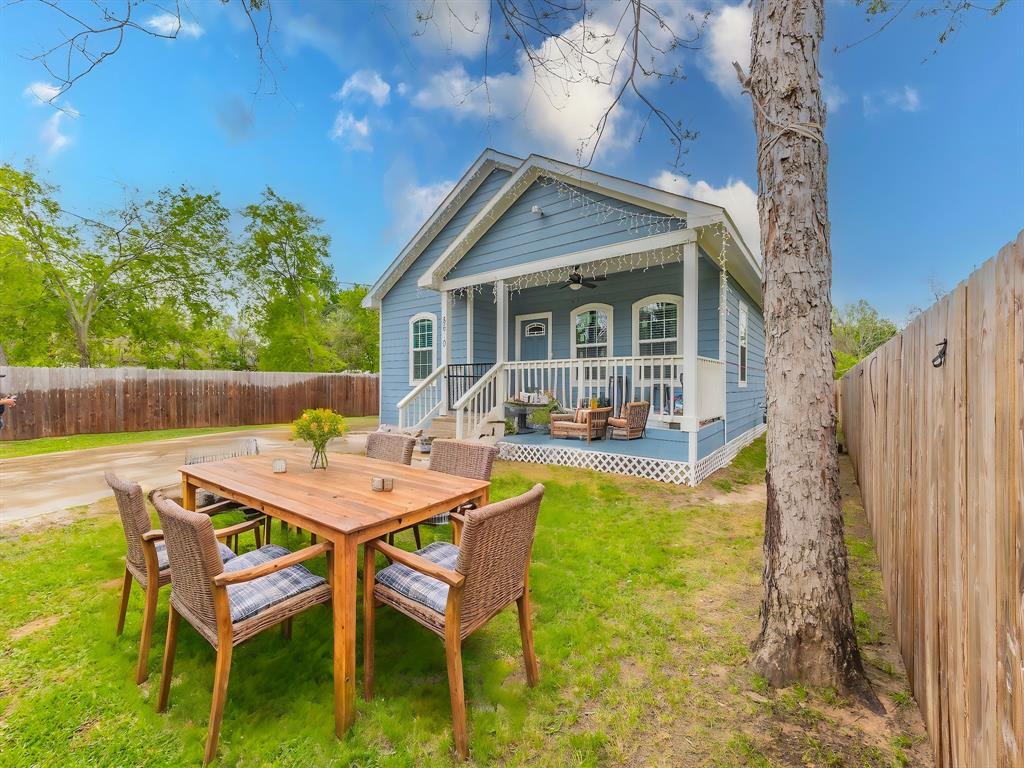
[690, 319]
[502, 323]
[445, 341]
[469, 324]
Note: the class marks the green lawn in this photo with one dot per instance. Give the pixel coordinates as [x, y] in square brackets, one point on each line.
[15, 448]
[645, 601]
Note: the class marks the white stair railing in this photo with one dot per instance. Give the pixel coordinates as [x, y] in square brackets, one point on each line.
[424, 402]
[473, 408]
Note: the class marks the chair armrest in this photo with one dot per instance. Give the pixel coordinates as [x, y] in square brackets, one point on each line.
[417, 563]
[218, 506]
[231, 530]
[275, 565]
[563, 416]
[155, 535]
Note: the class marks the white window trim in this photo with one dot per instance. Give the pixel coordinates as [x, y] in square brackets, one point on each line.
[668, 298]
[742, 328]
[520, 319]
[433, 348]
[609, 309]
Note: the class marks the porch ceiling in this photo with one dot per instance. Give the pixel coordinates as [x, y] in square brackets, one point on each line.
[650, 251]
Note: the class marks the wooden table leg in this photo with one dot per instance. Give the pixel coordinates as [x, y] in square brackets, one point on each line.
[343, 604]
[188, 495]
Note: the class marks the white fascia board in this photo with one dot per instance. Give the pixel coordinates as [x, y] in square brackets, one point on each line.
[578, 258]
[535, 166]
[415, 246]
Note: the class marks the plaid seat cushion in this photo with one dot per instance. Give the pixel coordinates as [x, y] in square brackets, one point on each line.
[416, 586]
[162, 561]
[251, 597]
[445, 517]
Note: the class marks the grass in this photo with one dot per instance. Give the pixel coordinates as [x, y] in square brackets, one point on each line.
[16, 448]
[645, 601]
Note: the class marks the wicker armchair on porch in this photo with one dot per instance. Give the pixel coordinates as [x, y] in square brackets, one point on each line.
[631, 423]
[454, 590]
[585, 423]
[147, 561]
[228, 602]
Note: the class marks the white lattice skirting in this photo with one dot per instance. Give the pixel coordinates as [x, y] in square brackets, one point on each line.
[663, 470]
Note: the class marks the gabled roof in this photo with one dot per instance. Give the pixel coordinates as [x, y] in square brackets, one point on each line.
[489, 160]
[697, 213]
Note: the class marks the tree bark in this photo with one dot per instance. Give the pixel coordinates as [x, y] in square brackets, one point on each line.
[807, 630]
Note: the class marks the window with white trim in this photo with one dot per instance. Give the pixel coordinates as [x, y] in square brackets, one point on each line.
[421, 346]
[536, 329]
[743, 345]
[657, 327]
[591, 331]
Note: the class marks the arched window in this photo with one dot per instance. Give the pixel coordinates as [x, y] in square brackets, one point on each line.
[421, 346]
[657, 325]
[591, 328]
[536, 329]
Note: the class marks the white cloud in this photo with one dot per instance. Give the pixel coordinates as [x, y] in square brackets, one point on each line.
[169, 24]
[736, 197]
[452, 26]
[50, 133]
[418, 203]
[556, 108]
[728, 40]
[41, 92]
[833, 95]
[352, 132]
[368, 82]
[905, 99]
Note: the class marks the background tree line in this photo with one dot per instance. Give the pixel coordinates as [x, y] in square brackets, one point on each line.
[165, 283]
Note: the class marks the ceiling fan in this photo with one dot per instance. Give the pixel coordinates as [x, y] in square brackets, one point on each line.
[575, 281]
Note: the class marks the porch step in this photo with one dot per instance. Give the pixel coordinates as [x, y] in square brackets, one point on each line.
[441, 427]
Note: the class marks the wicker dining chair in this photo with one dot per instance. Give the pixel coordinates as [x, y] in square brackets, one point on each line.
[454, 590]
[208, 502]
[146, 561]
[632, 421]
[228, 602]
[396, 447]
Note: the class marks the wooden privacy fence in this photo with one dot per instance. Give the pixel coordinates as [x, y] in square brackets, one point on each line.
[939, 456]
[70, 401]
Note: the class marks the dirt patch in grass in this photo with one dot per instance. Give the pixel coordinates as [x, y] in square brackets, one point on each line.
[37, 625]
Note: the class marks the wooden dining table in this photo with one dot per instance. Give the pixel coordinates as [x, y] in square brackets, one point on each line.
[338, 505]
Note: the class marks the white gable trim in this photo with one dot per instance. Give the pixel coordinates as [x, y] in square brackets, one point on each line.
[698, 213]
[471, 180]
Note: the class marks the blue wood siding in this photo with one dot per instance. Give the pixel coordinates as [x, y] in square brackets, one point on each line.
[707, 306]
[743, 405]
[405, 299]
[457, 352]
[485, 334]
[710, 438]
[521, 236]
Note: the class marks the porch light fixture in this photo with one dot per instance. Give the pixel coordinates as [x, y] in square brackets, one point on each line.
[537, 210]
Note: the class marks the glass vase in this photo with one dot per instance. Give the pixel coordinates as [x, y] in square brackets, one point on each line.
[319, 459]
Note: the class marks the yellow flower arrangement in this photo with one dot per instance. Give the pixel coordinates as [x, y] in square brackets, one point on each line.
[318, 426]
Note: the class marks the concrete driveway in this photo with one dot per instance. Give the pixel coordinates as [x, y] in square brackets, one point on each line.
[35, 488]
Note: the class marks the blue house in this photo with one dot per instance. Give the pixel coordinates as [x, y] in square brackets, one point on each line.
[537, 275]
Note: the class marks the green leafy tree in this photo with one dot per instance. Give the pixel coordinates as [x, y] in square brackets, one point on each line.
[353, 332]
[173, 248]
[857, 331]
[284, 258]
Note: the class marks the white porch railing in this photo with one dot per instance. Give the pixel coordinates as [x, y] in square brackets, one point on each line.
[473, 408]
[424, 402]
[658, 380]
[710, 388]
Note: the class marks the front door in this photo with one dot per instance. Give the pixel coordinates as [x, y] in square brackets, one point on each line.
[533, 338]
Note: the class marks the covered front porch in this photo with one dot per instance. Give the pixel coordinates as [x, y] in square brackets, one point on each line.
[632, 321]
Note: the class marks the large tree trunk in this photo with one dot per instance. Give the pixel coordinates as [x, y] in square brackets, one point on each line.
[807, 631]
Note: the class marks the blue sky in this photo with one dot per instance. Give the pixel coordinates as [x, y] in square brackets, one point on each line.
[373, 116]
